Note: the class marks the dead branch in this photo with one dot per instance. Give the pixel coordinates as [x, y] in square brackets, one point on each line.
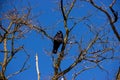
[61, 55]
[37, 66]
[62, 10]
[14, 51]
[23, 68]
[109, 17]
[5, 59]
[71, 7]
[9, 34]
[118, 75]
[113, 11]
[79, 58]
[81, 71]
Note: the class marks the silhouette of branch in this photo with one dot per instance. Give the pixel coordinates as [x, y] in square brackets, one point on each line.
[61, 55]
[79, 58]
[109, 17]
[23, 68]
[71, 7]
[62, 10]
[9, 35]
[81, 71]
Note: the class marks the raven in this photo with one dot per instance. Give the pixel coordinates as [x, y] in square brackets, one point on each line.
[57, 41]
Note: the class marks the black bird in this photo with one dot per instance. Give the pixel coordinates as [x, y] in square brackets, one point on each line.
[57, 41]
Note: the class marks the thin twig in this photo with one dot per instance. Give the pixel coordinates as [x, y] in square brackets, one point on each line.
[77, 73]
[23, 68]
[109, 18]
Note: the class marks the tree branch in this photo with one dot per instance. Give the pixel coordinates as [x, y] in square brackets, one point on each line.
[71, 7]
[79, 58]
[109, 17]
[62, 9]
[76, 74]
[37, 66]
[23, 68]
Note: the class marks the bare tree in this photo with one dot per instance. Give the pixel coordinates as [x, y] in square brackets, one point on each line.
[9, 35]
[84, 54]
[98, 48]
[20, 23]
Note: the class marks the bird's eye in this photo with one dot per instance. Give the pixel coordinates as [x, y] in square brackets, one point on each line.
[59, 31]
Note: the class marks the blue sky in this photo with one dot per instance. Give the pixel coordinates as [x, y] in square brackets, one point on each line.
[51, 18]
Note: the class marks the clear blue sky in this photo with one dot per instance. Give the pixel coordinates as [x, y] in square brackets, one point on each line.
[51, 19]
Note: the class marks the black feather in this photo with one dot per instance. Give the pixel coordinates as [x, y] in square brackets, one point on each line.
[58, 39]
